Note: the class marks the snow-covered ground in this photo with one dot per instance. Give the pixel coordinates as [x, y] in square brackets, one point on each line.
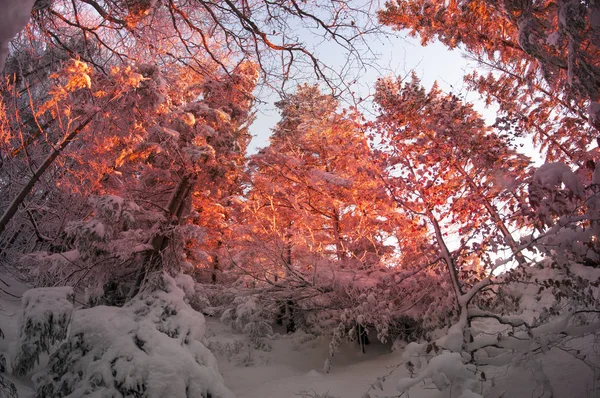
[294, 363]
[294, 368]
[291, 366]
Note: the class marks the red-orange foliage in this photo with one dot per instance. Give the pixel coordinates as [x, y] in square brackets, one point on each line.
[543, 58]
[315, 192]
[445, 168]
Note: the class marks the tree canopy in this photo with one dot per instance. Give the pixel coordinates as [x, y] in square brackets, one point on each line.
[125, 174]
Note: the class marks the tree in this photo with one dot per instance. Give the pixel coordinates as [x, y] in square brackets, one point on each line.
[215, 40]
[445, 166]
[212, 42]
[316, 184]
[541, 56]
[157, 165]
[75, 81]
[320, 244]
[189, 32]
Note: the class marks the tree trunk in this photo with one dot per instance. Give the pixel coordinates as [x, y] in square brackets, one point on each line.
[153, 260]
[337, 231]
[11, 241]
[363, 338]
[215, 270]
[446, 255]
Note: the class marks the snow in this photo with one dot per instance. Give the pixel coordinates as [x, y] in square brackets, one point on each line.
[43, 322]
[150, 347]
[453, 340]
[527, 37]
[292, 366]
[109, 207]
[594, 17]
[553, 39]
[553, 175]
[444, 370]
[186, 283]
[96, 228]
[199, 154]
[331, 178]
[589, 273]
[37, 303]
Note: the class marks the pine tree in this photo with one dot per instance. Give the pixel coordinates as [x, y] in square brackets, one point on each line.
[541, 57]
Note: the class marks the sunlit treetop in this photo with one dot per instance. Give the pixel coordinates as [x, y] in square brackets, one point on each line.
[543, 57]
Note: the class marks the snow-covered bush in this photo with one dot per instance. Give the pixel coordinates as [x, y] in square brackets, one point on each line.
[382, 304]
[247, 315]
[150, 347]
[44, 322]
[445, 370]
[7, 388]
[230, 348]
[341, 304]
[194, 292]
[513, 318]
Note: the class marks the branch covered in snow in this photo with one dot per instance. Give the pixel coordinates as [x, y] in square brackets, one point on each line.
[445, 370]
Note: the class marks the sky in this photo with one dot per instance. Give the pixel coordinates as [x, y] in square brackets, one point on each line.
[396, 56]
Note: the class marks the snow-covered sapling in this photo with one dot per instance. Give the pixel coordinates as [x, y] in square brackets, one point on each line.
[44, 322]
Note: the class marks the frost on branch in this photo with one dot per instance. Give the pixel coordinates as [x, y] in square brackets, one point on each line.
[45, 317]
[150, 347]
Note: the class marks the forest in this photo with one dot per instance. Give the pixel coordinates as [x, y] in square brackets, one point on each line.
[136, 225]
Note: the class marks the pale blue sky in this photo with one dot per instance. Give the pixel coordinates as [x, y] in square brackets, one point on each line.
[397, 56]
